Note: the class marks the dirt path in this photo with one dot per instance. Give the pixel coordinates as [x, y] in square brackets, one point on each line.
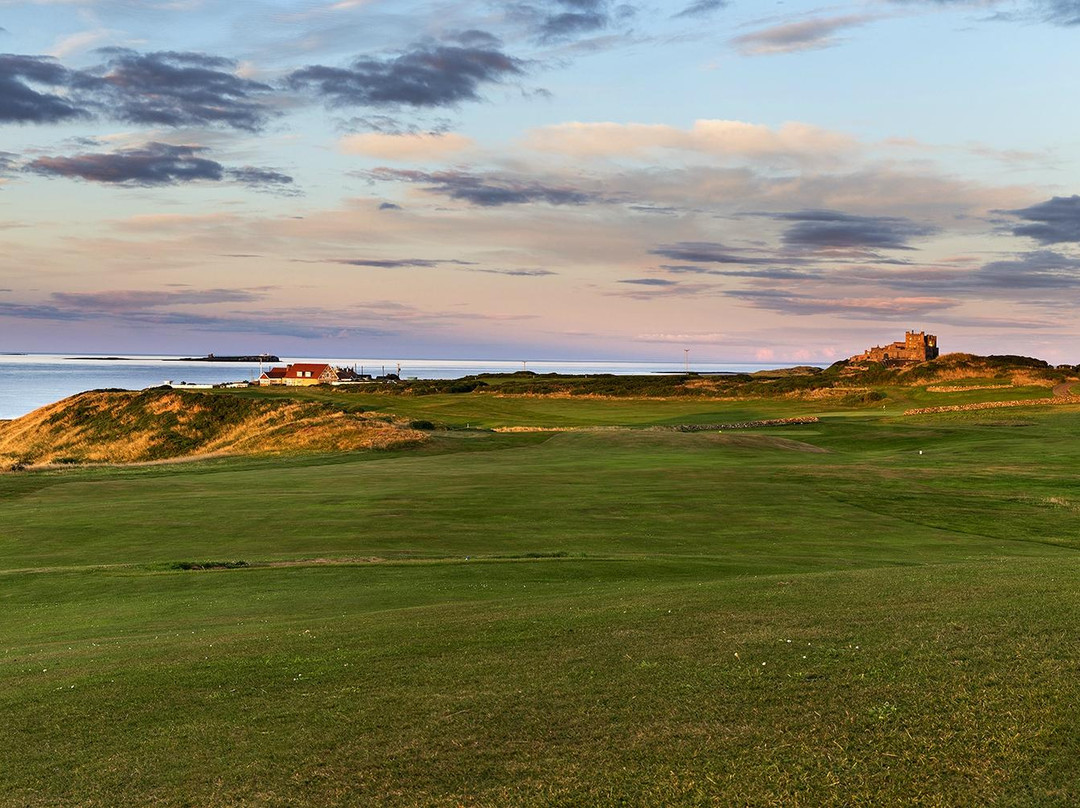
[1062, 389]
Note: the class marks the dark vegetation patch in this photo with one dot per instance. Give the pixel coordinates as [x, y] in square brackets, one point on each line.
[208, 565]
[862, 398]
[812, 419]
[526, 383]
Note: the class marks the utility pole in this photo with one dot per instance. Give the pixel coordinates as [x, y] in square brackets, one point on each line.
[686, 359]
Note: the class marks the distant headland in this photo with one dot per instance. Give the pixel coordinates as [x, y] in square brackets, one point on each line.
[215, 358]
[208, 358]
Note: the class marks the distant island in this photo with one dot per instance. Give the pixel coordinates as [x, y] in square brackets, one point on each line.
[214, 358]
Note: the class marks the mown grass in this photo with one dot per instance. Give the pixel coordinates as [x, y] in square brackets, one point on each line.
[604, 618]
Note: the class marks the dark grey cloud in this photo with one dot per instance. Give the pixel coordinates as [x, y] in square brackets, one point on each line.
[134, 300]
[1054, 221]
[389, 206]
[487, 190]
[20, 103]
[830, 229]
[304, 325]
[560, 20]
[396, 125]
[705, 252]
[152, 164]
[426, 75]
[169, 88]
[765, 273]
[474, 38]
[1055, 12]
[701, 7]
[658, 210]
[258, 177]
[1060, 12]
[427, 263]
[163, 88]
[41, 311]
[399, 263]
[650, 281]
[571, 23]
[1042, 269]
[1010, 278]
[794, 303]
[518, 273]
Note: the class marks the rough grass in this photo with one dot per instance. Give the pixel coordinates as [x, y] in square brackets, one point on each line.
[126, 427]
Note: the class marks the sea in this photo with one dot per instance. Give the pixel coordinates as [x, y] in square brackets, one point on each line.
[29, 381]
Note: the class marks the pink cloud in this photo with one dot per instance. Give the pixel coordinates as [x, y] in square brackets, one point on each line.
[793, 140]
[802, 35]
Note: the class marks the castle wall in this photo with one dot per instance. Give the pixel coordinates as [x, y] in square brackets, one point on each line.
[916, 347]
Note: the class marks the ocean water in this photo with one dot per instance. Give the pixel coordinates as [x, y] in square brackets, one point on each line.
[29, 381]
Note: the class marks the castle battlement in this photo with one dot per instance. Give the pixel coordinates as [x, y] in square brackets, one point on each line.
[916, 347]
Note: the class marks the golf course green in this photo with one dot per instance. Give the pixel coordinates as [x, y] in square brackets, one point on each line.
[870, 609]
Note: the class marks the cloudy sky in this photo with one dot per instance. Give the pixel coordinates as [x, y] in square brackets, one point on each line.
[749, 179]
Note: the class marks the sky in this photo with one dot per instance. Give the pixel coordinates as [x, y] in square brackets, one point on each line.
[748, 180]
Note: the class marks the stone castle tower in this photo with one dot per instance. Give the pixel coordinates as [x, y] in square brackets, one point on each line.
[916, 347]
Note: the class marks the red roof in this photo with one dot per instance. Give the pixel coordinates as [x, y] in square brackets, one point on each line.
[274, 373]
[309, 371]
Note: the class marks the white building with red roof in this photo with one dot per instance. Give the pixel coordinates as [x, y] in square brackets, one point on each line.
[302, 374]
[273, 376]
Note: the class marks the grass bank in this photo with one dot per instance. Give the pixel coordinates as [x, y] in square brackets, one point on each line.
[863, 610]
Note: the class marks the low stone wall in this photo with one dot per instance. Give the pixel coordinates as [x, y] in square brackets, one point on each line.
[940, 389]
[993, 405]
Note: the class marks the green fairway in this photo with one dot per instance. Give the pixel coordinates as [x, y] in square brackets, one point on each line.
[867, 610]
[487, 411]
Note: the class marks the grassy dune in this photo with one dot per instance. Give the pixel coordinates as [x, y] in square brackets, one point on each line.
[806, 615]
[127, 427]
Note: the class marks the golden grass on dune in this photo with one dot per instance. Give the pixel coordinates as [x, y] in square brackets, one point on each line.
[960, 366]
[133, 427]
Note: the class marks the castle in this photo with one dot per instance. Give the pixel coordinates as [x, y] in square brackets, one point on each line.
[916, 347]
